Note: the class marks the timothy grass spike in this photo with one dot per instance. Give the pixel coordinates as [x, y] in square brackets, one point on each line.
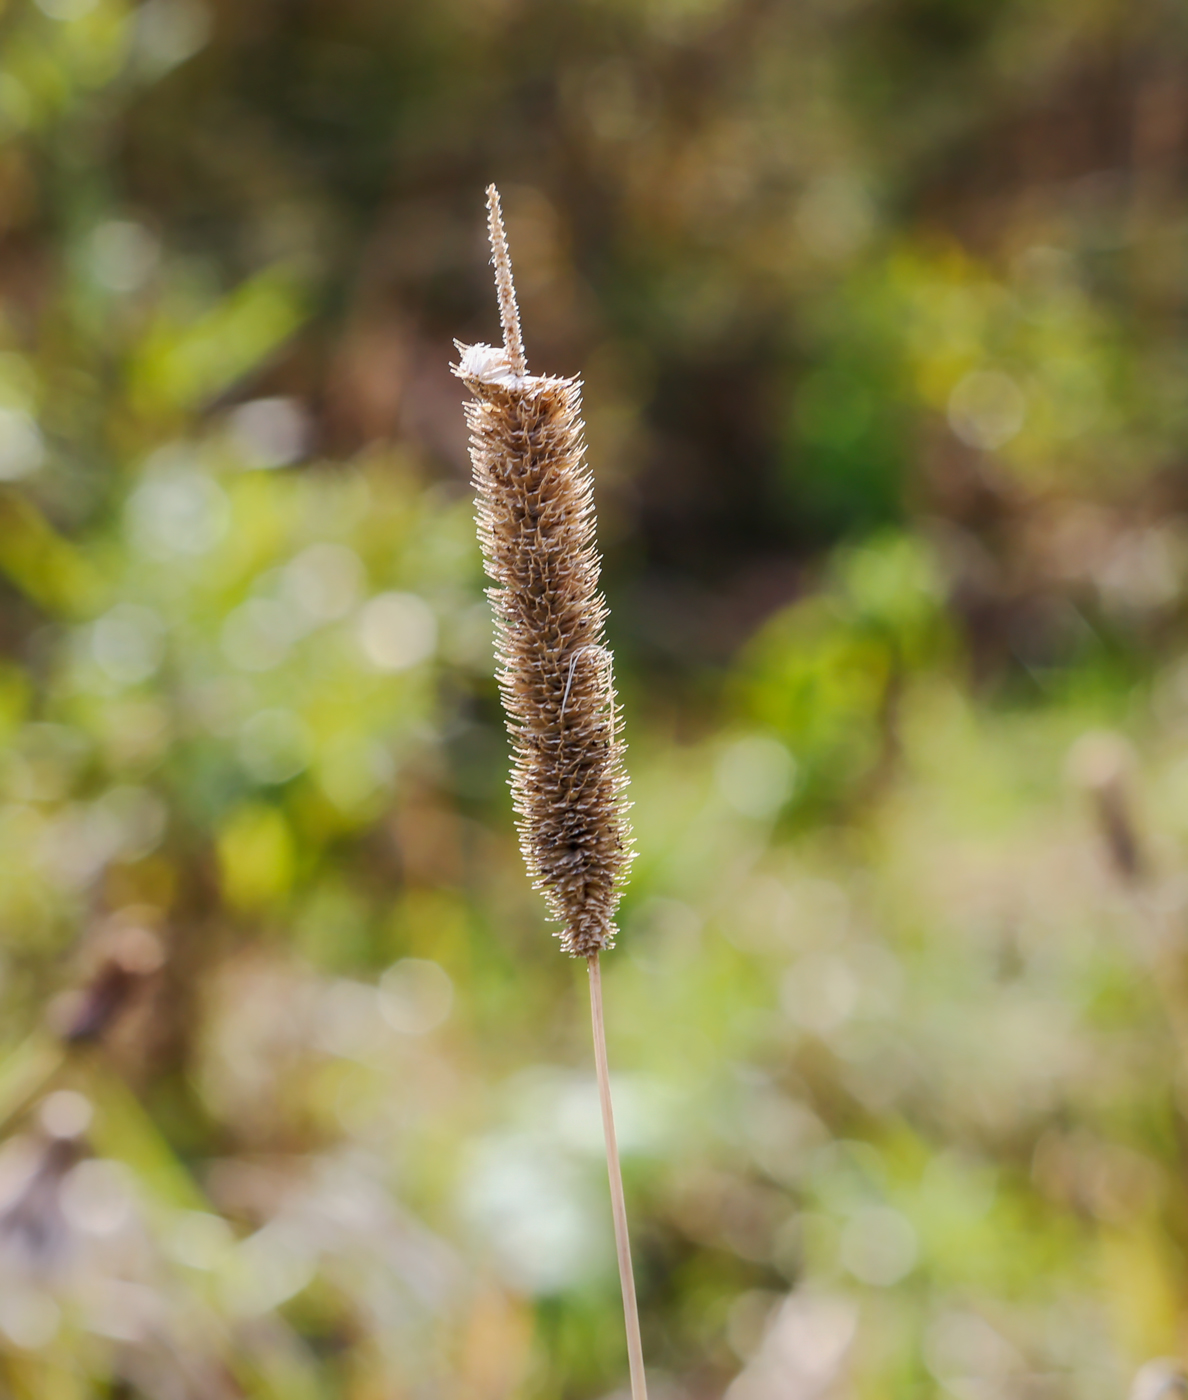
[536, 527]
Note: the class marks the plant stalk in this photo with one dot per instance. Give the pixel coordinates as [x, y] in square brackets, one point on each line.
[639, 1389]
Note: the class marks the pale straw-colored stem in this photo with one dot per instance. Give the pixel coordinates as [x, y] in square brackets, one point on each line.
[509, 312]
[639, 1389]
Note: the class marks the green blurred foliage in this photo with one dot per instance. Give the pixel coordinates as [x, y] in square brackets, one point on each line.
[879, 308]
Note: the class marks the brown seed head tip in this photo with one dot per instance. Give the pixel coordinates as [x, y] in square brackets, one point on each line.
[536, 527]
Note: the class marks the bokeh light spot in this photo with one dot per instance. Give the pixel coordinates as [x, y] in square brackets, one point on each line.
[756, 775]
[415, 996]
[274, 746]
[177, 510]
[29, 1317]
[819, 992]
[987, 409]
[124, 255]
[97, 1197]
[878, 1246]
[325, 581]
[167, 32]
[270, 432]
[22, 449]
[397, 631]
[257, 636]
[66, 10]
[128, 643]
[66, 1114]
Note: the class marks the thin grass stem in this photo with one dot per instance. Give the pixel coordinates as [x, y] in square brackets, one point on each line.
[509, 312]
[639, 1389]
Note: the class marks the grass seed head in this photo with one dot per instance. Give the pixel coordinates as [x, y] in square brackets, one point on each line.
[536, 527]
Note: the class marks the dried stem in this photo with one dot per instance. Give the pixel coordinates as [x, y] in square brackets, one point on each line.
[639, 1389]
[509, 312]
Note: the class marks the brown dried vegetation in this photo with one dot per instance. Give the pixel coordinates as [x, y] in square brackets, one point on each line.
[536, 527]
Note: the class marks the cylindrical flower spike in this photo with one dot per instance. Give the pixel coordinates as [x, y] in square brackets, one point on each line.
[536, 527]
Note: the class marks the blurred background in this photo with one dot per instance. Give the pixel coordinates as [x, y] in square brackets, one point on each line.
[881, 310]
